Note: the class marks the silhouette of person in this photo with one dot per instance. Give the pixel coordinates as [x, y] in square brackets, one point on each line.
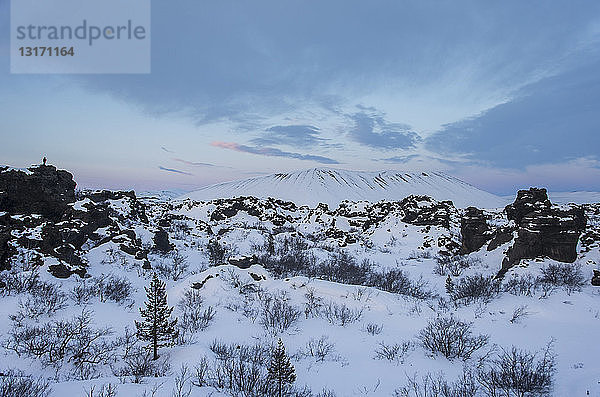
[44, 160]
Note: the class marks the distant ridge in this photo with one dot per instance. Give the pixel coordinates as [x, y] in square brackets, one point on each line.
[331, 186]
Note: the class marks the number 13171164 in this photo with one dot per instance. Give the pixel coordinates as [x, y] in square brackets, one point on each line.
[46, 51]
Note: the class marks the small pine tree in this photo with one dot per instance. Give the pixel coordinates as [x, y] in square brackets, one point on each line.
[449, 285]
[281, 370]
[156, 328]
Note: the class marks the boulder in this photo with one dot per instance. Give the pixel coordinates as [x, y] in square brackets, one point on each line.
[243, 261]
[161, 241]
[474, 230]
[596, 278]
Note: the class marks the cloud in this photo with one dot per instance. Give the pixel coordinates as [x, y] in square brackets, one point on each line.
[273, 152]
[291, 135]
[400, 159]
[371, 129]
[194, 163]
[262, 58]
[576, 174]
[173, 170]
[553, 120]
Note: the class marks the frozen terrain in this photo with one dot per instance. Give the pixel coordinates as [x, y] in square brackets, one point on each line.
[332, 186]
[349, 289]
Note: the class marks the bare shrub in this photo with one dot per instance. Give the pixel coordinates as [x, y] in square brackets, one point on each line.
[341, 267]
[117, 289]
[183, 382]
[374, 329]
[519, 313]
[340, 314]
[453, 265]
[83, 292]
[473, 288]
[396, 352]
[18, 282]
[565, 275]
[201, 373]
[277, 315]
[17, 384]
[289, 256]
[194, 316]
[137, 364]
[216, 252]
[106, 390]
[44, 299]
[319, 349]
[437, 386]
[172, 266]
[58, 342]
[325, 393]
[112, 287]
[313, 304]
[516, 372]
[115, 256]
[451, 337]
[241, 369]
[398, 282]
[526, 285]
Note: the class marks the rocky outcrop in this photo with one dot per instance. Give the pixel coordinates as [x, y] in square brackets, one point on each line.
[39, 212]
[426, 211]
[527, 202]
[596, 278]
[41, 190]
[474, 230]
[161, 241]
[500, 236]
[543, 230]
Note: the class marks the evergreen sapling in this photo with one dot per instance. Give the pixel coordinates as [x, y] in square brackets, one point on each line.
[281, 370]
[156, 328]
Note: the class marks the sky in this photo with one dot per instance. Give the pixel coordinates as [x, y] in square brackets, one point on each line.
[504, 95]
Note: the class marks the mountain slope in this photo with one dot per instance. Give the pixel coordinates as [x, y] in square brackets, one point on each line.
[331, 186]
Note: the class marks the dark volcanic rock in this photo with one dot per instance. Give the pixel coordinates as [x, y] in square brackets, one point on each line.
[243, 262]
[44, 190]
[500, 236]
[596, 278]
[62, 271]
[161, 241]
[6, 251]
[527, 201]
[543, 230]
[426, 211]
[474, 230]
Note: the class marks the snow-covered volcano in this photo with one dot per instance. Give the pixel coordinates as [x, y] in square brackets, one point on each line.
[331, 186]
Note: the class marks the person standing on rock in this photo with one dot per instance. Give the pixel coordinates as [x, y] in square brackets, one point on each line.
[44, 160]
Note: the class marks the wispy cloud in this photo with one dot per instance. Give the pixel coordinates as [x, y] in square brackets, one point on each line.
[194, 163]
[291, 135]
[371, 129]
[173, 170]
[273, 152]
[400, 159]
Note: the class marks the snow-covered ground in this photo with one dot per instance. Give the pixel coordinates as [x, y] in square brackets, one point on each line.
[331, 186]
[569, 320]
